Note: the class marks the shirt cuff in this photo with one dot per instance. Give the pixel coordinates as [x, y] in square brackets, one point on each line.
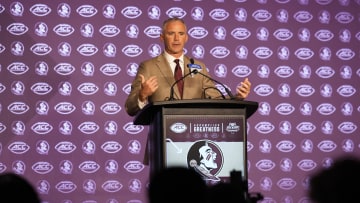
[142, 104]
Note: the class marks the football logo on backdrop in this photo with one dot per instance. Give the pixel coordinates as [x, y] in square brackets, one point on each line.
[40, 49]
[261, 15]
[40, 10]
[344, 17]
[198, 32]
[303, 16]
[17, 28]
[240, 33]
[152, 31]
[206, 158]
[131, 12]
[86, 11]
[109, 30]
[63, 29]
[176, 12]
[219, 14]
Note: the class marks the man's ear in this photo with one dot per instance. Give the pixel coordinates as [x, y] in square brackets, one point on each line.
[161, 37]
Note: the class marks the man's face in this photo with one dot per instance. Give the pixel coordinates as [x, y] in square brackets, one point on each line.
[174, 38]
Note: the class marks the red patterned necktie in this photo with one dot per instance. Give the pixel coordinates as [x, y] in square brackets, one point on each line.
[178, 75]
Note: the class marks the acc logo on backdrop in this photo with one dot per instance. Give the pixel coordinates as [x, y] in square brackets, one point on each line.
[64, 69]
[17, 28]
[110, 108]
[87, 49]
[327, 146]
[18, 108]
[306, 165]
[261, 15]
[241, 71]
[176, 12]
[324, 35]
[89, 166]
[63, 29]
[263, 90]
[198, 32]
[110, 69]
[41, 88]
[64, 108]
[112, 186]
[132, 50]
[42, 167]
[325, 72]
[286, 146]
[283, 34]
[240, 33]
[347, 127]
[18, 147]
[109, 30]
[303, 16]
[346, 90]
[219, 52]
[152, 31]
[284, 71]
[262, 52]
[134, 166]
[131, 12]
[86, 10]
[40, 9]
[88, 88]
[264, 127]
[219, 14]
[306, 127]
[88, 127]
[286, 183]
[304, 53]
[41, 128]
[305, 90]
[133, 129]
[265, 165]
[40, 49]
[65, 186]
[65, 147]
[284, 108]
[111, 147]
[344, 17]
[326, 109]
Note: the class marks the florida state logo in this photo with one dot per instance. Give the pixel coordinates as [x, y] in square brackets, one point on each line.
[206, 158]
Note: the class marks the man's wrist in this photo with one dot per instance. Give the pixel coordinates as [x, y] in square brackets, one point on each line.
[142, 98]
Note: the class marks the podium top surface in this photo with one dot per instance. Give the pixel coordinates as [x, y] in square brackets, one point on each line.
[144, 117]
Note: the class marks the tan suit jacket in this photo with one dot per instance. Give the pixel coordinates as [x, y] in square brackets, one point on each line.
[195, 87]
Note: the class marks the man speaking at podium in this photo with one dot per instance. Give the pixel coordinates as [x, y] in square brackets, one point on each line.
[157, 79]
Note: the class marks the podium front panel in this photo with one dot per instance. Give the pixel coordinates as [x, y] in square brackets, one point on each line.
[212, 141]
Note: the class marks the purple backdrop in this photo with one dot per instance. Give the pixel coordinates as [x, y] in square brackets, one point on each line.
[66, 69]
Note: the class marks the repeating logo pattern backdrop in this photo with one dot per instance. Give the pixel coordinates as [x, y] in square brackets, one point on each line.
[66, 69]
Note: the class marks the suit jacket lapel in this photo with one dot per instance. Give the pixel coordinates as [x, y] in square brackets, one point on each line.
[166, 72]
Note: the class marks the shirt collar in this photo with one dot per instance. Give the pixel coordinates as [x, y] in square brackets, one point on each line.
[171, 59]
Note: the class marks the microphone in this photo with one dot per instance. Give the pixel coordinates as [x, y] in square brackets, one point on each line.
[176, 82]
[192, 66]
[195, 68]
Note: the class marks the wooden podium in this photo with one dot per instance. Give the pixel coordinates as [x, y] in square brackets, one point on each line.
[206, 134]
